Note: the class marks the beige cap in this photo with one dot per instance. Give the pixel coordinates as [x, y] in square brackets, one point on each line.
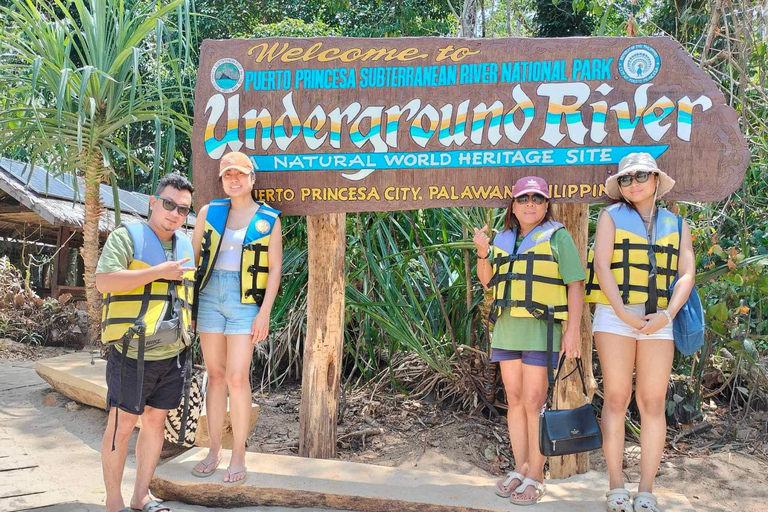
[235, 160]
[634, 162]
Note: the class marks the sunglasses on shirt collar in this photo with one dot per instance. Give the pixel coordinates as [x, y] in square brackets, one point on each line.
[170, 206]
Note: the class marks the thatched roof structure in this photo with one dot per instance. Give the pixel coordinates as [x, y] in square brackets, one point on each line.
[35, 198]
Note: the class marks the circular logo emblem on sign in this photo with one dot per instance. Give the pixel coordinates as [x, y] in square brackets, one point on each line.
[639, 63]
[262, 226]
[227, 75]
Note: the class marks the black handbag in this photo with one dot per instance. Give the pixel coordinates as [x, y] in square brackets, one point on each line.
[566, 431]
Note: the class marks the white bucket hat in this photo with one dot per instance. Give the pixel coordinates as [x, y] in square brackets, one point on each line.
[634, 162]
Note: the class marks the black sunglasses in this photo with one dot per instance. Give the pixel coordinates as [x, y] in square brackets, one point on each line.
[640, 176]
[170, 206]
[536, 198]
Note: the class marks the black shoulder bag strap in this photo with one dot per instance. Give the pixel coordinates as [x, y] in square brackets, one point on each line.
[550, 346]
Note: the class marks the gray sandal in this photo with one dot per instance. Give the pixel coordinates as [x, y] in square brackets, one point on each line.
[153, 506]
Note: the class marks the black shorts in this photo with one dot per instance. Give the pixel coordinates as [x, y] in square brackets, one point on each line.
[162, 388]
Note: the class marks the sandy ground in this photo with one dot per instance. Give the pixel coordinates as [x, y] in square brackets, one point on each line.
[65, 445]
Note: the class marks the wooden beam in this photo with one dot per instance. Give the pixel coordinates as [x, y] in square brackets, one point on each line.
[13, 209]
[56, 266]
[569, 395]
[320, 384]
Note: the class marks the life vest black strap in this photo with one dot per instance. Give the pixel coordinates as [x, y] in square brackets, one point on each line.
[255, 270]
[667, 271]
[532, 306]
[591, 285]
[668, 249]
[134, 298]
[512, 276]
[653, 296]
[511, 258]
[202, 269]
[624, 247]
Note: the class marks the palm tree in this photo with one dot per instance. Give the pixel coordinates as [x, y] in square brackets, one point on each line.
[89, 71]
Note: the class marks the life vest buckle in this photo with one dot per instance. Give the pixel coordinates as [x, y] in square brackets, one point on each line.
[252, 269]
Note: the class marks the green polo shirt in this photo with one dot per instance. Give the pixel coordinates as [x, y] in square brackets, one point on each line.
[117, 255]
[517, 333]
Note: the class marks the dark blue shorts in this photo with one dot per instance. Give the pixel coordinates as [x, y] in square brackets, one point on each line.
[529, 357]
[162, 388]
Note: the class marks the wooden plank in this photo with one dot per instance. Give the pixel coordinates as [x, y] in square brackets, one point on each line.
[10, 449]
[75, 377]
[279, 480]
[23, 482]
[569, 394]
[15, 462]
[320, 385]
[34, 501]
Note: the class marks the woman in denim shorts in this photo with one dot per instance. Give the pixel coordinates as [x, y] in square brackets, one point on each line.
[229, 319]
[519, 342]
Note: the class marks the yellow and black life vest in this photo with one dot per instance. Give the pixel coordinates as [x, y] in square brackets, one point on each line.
[528, 281]
[254, 260]
[138, 318]
[146, 306]
[631, 263]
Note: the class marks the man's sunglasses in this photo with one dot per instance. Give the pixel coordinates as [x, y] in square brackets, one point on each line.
[640, 177]
[170, 206]
[536, 198]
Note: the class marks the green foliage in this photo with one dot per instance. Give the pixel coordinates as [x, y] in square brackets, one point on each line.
[562, 18]
[290, 27]
[87, 74]
[382, 18]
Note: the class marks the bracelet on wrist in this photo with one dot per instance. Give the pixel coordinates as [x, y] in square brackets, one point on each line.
[483, 257]
[669, 317]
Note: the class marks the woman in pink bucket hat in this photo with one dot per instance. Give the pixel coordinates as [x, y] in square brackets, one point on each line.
[639, 250]
[534, 269]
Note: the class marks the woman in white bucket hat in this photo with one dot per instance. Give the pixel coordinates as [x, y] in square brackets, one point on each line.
[639, 249]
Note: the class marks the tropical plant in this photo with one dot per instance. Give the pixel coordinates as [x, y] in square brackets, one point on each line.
[89, 72]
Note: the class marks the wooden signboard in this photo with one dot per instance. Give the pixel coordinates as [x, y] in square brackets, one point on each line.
[335, 125]
[348, 124]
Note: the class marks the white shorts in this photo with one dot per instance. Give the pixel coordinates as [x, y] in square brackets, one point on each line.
[605, 320]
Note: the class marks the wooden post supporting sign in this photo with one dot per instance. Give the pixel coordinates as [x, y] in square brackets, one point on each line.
[320, 384]
[569, 394]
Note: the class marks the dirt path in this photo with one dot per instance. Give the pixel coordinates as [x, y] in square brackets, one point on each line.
[58, 450]
[63, 446]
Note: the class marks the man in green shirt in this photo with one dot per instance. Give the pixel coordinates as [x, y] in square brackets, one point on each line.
[148, 388]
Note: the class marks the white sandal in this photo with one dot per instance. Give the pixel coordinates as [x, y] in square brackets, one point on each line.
[541, 489]
[645, 502]
[617, 500]
[511, 477]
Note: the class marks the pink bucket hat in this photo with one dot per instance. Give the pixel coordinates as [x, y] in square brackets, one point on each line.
[531, 185]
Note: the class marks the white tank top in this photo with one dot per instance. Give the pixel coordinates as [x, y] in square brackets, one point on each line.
[230, 250]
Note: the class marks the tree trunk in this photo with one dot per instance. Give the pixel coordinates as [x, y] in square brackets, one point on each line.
[569, 395]
[320, 385]
[90, 252]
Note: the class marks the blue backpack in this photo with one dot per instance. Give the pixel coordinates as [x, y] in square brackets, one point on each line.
[688, 325]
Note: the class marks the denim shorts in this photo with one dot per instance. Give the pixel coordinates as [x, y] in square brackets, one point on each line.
[220, 310]
[529, 357]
